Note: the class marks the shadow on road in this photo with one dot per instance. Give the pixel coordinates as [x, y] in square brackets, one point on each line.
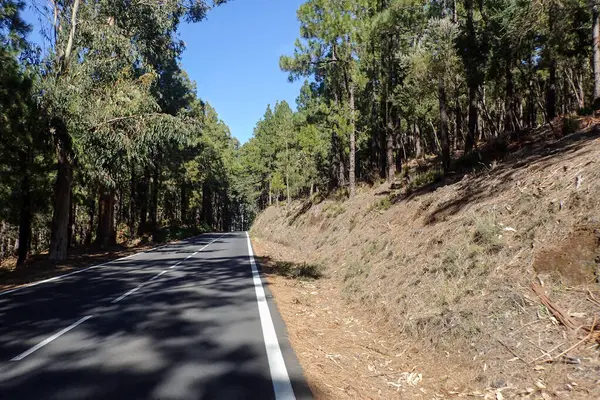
[192, 334]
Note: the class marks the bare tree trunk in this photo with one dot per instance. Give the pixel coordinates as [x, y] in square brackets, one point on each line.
[399, 145]
[25, 213]
[472, 82]
[59, 240]
[596, 53]
[444, 126]
[352, 169]
[106, 234]
[391, 164]
[207, 212]
[142, 193]
[551, 56]
[132, 202]
[154, 197]
[473, 120]
[287, 174]
[3, 246]
[509, 117]
[72, 219]
[417, 133]
[91, 213]
[270, 194]
[551, 92]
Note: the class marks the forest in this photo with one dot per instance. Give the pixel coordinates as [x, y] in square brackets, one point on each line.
[103, 137]
[389, 81]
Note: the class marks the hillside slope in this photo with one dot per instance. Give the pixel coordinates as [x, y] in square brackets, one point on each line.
[448, 266]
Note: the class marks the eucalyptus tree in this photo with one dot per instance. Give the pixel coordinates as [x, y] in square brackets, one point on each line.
[594, 5]
[108, 58]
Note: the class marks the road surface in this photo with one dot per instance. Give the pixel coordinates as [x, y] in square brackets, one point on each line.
[189, 320]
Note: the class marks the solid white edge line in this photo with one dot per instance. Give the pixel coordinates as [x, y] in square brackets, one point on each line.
[50, 339]
[282, 385]
[59, 277]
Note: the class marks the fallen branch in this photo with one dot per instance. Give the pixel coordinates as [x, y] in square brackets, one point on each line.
[592, 298]
[585, 339]
[556, 310]
[511, 351]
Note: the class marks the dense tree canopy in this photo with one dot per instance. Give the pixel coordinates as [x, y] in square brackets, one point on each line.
[108, 125]
[391, 80]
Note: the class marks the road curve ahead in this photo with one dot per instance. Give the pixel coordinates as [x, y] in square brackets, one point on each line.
[191, 320]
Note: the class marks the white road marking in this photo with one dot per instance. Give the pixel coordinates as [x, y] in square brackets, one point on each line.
[56, 278]
[59, 277]
[82, 320]
[121, 297]
[50, 339]
[279, 374]
[118, 299]
[156, 276]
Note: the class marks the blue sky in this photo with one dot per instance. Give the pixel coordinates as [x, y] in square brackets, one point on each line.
[233, 56]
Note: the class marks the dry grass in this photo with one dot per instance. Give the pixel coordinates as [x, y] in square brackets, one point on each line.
[448, 265]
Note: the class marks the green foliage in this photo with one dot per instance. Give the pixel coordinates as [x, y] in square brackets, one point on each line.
[425, 178]
[332, 210]
[299, 270]
[171, 233]
[487, 234]
[381, 205]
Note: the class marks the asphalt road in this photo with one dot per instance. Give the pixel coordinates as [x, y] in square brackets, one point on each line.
[186, 321]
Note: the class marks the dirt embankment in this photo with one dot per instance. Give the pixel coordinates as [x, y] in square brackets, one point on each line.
[427, 292]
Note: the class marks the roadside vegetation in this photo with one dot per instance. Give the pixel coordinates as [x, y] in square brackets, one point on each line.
[452, 270]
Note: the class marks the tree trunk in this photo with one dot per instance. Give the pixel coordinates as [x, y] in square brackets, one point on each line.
[352, 169]
[444, 126]
[185, 204]
[473, 119]
[91, 213]
[287, 173]
[143, 202]
[59, 240]
[154, 199]
[509, 117]
[3, 246]
[106, 234]
[551, 92]
[132, 202]
[400, 140]
[270, 195]
[596, 53]
[226, 214]
[207, 212]
[72, 220]
[417, 133]
[472, 68]
[458, 116]
[25, 213]
[389, 147]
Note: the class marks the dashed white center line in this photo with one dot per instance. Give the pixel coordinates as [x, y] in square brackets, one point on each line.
[156, 276]
[121, 297]
[51, 338]
[118, 299]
